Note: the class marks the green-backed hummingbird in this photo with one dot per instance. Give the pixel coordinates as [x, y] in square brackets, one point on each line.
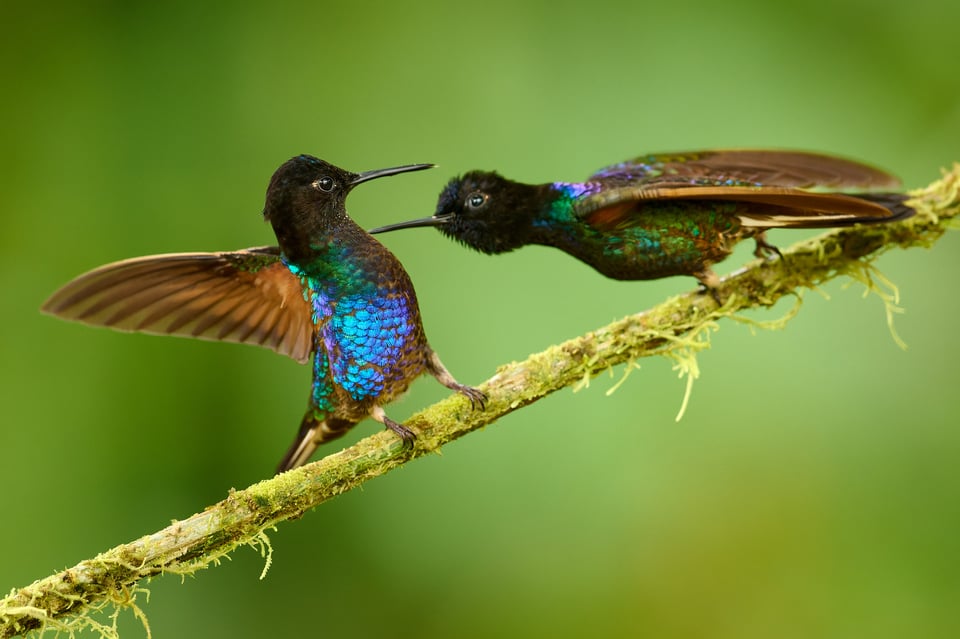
[666, 214]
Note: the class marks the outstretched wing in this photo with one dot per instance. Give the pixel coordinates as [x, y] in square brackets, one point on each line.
[247, 296]
[770, 185]
[747, 167]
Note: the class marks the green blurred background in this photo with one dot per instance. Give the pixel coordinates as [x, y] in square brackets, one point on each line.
[813, 488]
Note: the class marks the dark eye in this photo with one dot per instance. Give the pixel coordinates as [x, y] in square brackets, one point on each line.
[325, 184]
[476, 199]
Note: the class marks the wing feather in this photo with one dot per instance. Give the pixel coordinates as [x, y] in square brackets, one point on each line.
[765, 207]
[755, 167]
[248, 297]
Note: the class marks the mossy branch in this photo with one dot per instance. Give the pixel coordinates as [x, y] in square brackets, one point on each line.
[677, 328]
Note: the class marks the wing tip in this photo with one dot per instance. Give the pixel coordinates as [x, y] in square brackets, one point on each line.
[59, 305]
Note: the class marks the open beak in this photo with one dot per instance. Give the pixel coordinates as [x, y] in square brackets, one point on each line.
[378, 173]
[433, 220]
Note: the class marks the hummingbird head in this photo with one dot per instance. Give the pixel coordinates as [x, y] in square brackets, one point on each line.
[482, 210]
[306, 197]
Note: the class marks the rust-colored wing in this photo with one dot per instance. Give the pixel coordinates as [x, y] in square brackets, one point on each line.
[247, 296]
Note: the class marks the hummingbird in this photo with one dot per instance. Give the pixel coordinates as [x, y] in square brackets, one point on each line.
[329, 295]
[665, 214]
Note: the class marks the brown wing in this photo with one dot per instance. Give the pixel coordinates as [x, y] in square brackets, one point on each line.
[246, 296]
[747, 167]
[765, 207]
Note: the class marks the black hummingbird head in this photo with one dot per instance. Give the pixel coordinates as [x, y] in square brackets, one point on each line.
[306, 199]
[482, 210]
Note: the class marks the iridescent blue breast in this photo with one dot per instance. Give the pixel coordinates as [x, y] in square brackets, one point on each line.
[369, 343]
[373, 344]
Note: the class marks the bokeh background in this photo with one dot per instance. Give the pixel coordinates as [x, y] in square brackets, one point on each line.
[813, 488]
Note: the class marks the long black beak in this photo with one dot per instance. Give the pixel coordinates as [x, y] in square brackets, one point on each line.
[434, 220]
[378, 173]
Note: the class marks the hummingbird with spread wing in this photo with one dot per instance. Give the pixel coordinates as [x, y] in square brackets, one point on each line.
[329, 295]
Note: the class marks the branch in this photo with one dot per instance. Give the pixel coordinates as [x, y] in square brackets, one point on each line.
[676, 328]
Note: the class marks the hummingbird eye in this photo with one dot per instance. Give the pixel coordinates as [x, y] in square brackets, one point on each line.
[476, 199]
[325, 184]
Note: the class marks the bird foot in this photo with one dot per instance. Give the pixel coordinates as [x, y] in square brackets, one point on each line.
[478, 399]
[404, 433]
[710, 283]
[764, 249]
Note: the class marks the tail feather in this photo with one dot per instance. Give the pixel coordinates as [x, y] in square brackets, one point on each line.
[893, 202]
[768, 217]
[312, 433]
